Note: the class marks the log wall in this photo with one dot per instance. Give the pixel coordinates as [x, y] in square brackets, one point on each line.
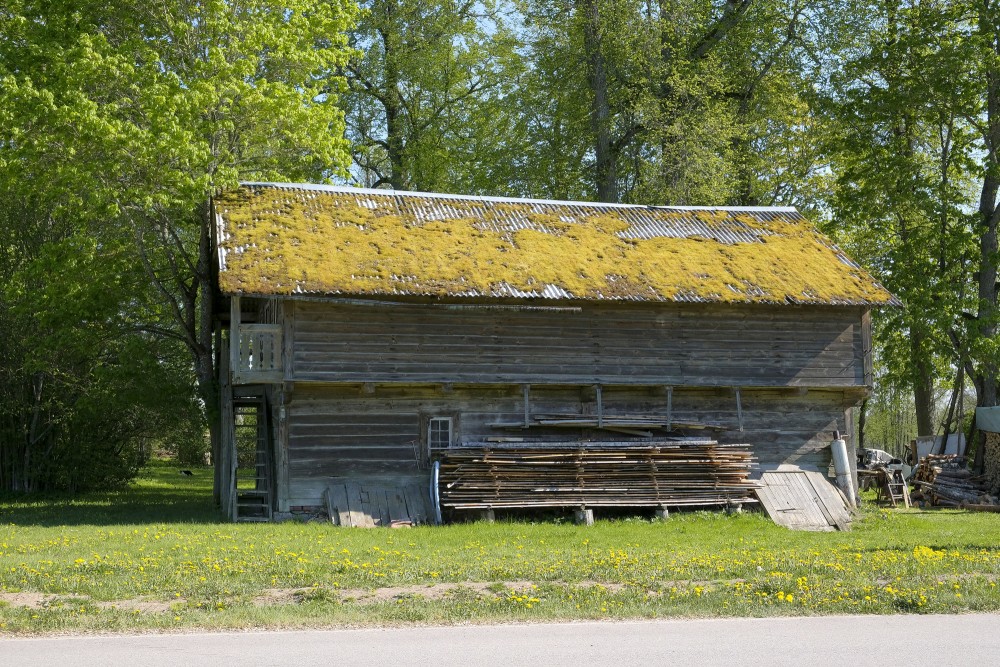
[670, 344]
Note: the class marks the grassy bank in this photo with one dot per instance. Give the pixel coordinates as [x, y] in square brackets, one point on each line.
[155, 556]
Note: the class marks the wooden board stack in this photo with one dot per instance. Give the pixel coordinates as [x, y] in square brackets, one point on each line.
[626, 474]
[946, 480]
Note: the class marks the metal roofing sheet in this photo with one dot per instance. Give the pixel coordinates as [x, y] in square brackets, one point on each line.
[308, 239]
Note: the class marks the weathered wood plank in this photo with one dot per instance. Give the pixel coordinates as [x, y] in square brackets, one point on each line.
[792, 500]
[416, 506]
[832, 501]
[397, 505]
[354, 505]
[603, 343]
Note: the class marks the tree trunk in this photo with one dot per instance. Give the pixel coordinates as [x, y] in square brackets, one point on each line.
[986, 376]
[605, 156]
[923, 382]
[395, 124]
[204, 355]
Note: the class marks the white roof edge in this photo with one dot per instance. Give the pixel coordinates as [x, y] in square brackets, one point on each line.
[348, 189]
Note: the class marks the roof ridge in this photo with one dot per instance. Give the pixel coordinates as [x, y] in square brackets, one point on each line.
[349, 189]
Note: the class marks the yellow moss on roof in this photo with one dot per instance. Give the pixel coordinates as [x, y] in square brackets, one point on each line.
[279, 242]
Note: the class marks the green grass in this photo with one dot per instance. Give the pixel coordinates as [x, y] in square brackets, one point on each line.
[160, 552]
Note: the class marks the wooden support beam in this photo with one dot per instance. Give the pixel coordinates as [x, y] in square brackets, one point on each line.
[739, 408]
[526, 389]
[670, 406]
[600, 406]
[234, 337]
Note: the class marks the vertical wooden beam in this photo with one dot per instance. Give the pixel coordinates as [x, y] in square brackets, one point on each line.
[287, 342]
[866, 349]
[670, 406]
[739, 408]
[281, 452]
[234, 338]
[526, 390]
[600, 407]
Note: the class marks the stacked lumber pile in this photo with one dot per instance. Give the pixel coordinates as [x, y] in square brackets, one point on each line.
[946, 480]
[669, 474]
[991, 468]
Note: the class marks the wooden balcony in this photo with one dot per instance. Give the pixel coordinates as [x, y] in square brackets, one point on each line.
[257, 354]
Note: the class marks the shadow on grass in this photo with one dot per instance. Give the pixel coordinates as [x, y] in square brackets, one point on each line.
[160, 494]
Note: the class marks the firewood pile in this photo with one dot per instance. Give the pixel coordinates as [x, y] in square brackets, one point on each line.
[991, 460]
[946, 480]
[669, 474]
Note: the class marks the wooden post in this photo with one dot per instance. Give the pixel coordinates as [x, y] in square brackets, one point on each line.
[287, 339]
[739, 408]
[670, 406]
[234, 338]
[526, 389]
[584, 516]
[281, 453]
[600, 411]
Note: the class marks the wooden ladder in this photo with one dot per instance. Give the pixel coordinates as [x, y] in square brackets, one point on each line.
[253, 479]
[894, 488]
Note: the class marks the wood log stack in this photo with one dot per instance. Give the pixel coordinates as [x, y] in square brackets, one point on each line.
[664, 474]
[991, 461]
[946, 480]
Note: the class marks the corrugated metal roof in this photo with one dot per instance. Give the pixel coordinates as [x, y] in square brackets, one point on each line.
[280, 238]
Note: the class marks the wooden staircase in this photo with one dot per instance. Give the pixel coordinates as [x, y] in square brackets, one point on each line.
[253, 478]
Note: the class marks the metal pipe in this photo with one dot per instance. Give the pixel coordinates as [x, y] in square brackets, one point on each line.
[842, 467]
[435, 494]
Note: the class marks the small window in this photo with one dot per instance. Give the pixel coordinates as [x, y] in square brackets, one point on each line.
[438, 433]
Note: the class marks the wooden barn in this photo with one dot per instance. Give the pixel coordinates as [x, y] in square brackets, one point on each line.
[368, 333]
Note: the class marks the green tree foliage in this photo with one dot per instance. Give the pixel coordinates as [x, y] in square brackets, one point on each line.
[426, 87]
[125, 117]
[687, 102]
[909, 101]
[85, 391]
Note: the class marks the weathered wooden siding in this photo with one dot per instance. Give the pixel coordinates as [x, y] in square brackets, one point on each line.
[670, 344]
[346, 431]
